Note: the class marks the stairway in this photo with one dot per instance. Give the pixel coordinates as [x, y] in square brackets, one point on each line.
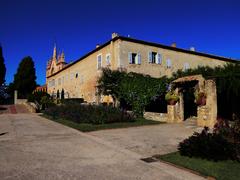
[15, 109]
[191, 122]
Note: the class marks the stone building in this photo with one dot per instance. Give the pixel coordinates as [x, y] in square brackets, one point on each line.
[78, 79]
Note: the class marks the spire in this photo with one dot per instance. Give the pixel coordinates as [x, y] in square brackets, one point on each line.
[62, 57]
[55, 52]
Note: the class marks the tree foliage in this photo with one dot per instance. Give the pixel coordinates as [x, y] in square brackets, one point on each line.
[2, 67]
[135, 89]
[138, 90]
[109, 82]
[25, 78]
[228, 86]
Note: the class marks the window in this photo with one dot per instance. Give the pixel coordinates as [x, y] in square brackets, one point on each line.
[108, 59]
[82, 80]
[154, 57]
[59, 81]
[53, 82]
[134, 58]
[99, 61]
[169, 63]
[186, 66]
[76, 75]
[71, 76]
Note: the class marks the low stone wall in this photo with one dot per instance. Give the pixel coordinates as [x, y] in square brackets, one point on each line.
[202, 116]
[21, 101]
[31, 107]
[162, 117]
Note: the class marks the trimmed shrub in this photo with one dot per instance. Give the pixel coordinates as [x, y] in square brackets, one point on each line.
[72, 100]
[37, 96]
[211, 146]
[92, 114]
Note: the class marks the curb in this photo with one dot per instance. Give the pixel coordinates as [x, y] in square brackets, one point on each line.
[187, 169]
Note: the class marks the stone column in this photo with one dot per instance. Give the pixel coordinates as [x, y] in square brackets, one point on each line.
[171, 111]
[15, 96]
[181, 108]
[202, 116]
[211, 103]
[207, 115]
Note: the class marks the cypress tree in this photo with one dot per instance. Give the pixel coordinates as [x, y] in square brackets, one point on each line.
[25, 78]
[2, 67]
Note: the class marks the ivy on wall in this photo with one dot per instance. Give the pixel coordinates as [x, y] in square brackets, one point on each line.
[228, 86]
[134, 89]
[138, 90]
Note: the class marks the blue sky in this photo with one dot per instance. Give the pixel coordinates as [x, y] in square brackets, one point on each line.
[30, 27]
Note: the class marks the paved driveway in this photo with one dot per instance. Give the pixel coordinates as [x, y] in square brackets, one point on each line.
[148, 140]
[36, 148]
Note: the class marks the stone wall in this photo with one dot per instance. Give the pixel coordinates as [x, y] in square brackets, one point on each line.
[178, 60]
[21, 101]
[162, 117]
[207, 115]
[79, 79]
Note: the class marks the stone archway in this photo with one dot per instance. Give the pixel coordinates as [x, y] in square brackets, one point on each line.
[206, 114]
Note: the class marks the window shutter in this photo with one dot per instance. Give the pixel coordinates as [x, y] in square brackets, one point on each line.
[139, 58]
[186, 66]
[159, 58]
[130, 58]
[150, 57]
[169, 64]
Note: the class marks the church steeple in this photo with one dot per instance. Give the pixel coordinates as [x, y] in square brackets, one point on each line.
[55, 52]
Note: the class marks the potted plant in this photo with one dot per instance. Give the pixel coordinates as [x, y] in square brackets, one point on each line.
[200, 98]
[171, 97]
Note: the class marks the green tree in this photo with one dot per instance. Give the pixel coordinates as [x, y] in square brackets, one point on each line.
[134, 89]
[25, 78]
[2, 67]
[109, 83]
[62, 94]
[138, 90]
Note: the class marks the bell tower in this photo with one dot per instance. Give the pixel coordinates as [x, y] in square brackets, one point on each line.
[56, 63]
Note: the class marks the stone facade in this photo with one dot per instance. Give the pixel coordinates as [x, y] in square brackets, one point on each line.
[78, 79]
[207, 113]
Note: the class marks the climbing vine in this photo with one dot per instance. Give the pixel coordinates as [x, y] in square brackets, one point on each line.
[136, 90]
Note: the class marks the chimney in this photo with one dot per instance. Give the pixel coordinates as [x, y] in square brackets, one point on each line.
[174, 44]
[114, 35]
[192, 48]
[98, 45]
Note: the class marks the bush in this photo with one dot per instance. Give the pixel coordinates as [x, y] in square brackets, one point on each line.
[46, 102]
[37, 96]
[92, 114]
[72, 100]
[41, 99]
[211, 146]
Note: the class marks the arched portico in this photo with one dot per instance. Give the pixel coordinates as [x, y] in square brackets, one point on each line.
[186, 88]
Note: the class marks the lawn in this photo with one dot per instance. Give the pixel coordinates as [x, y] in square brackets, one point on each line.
[221, 170]
[84, 127]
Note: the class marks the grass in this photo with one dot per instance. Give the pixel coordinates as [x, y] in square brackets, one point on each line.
[84, 127]
[221, 170]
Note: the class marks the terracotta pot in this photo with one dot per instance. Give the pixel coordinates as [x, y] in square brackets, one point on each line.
[172, 102]
[204, 100]
[201, 101]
